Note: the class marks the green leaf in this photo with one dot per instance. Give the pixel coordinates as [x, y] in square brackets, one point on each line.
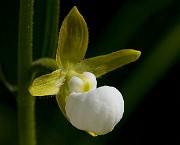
[51, 27]
[48, 84]
[73, 40]
[103, 64]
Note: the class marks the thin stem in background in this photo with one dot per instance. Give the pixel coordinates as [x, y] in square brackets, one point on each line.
[6, 83]
[26, 103]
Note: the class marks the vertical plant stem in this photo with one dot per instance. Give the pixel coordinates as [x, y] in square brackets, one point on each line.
[26, 103]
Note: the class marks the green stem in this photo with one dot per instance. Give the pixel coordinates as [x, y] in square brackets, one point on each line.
[26, 103]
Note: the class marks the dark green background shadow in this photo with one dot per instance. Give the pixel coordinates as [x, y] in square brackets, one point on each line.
[150, 86]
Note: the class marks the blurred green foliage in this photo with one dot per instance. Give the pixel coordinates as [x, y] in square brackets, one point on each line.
[150, 86]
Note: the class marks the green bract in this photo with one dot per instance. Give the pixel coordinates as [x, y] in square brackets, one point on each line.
[72, 46]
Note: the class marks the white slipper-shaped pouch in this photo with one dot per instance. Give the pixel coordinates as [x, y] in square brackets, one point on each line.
[96, 111]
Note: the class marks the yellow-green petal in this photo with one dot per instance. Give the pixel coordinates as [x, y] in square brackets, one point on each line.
[73, 39]
[48, 84]
[103, 64]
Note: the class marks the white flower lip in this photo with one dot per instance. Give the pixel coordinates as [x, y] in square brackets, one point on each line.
[96, 111]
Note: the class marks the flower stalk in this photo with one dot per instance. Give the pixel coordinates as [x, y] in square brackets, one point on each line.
[26, 102]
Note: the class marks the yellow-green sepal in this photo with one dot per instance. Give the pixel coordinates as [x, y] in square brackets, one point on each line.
[103, 64]
[48, 84]
[73, 40]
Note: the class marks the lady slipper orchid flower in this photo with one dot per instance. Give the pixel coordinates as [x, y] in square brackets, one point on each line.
[94, 110]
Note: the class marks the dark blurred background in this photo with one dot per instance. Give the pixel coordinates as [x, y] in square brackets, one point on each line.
[150, 86]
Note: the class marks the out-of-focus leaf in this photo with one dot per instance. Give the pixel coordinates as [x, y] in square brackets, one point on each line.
[162, 57]
[130, 18]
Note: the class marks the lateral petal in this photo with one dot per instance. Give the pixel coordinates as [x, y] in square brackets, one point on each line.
[103, 64]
